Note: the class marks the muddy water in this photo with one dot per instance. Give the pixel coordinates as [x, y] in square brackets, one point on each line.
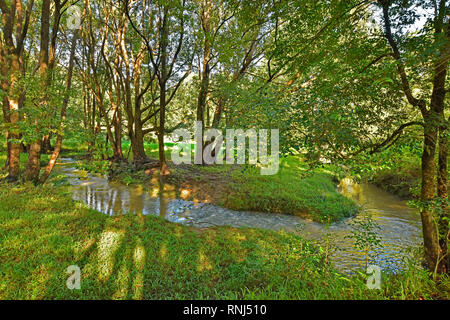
[400, 226]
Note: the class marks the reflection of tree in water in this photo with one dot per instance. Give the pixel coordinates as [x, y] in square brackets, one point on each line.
[113, 200]
[136, 203]
[110, 201]
[351, 189]
[163, 197]
[118, 204]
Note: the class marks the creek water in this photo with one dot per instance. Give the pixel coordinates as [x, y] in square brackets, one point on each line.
[399, 225]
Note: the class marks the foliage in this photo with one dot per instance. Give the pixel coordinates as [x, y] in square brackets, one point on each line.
[365, 235]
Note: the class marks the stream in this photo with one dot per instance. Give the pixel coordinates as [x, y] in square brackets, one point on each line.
[400, 225]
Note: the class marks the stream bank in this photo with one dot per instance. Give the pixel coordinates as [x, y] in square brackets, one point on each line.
[400, 227]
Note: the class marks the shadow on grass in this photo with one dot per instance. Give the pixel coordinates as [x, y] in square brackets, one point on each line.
[146, 257]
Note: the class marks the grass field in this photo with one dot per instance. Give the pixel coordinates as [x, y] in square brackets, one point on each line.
[43, 231]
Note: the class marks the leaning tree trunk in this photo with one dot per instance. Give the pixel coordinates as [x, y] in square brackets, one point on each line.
[59, 138]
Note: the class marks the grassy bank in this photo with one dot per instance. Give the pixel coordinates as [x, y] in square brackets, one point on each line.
[43, 231]
[403, 181]
[396, 170]
[293, 190]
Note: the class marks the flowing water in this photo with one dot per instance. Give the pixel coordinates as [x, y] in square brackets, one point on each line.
[400, 226]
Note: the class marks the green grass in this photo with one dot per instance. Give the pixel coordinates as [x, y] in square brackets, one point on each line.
[293, 190]
[404, 181]
[402, 178]
[43, 231]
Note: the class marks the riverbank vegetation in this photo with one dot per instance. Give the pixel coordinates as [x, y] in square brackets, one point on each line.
[295, 189]
[346, 89]
[43, 231]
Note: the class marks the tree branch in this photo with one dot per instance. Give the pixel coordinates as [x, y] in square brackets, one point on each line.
[149, 116]
[400, 67]
[394, 136]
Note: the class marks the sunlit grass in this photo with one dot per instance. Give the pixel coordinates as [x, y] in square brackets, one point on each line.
[145, 257]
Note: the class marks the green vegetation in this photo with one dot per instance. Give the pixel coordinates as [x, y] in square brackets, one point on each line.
[396, 170]
[364, 232]
[313, 196]
[295, 189]
[345, 89]
[43, 231]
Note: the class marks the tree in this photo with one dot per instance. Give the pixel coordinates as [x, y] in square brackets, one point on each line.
[65, 102]
[435, 223]
[15, 22]
[232, 40]
[166, 41]
[361, 83]
[34, 164]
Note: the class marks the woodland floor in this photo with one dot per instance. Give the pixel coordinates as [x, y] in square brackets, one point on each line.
[43, 231]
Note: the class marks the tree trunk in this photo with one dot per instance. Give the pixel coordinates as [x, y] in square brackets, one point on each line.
[429, 226]
[138, 150]
[5, 167]
[162, 97]
[444, 232]
[13, 116]
[432, 216]
[13, 141]
[34, 158]
[46, 146]
[118, 133]
[59, 138]
[34, 162]
[437, 119]
[205, 76]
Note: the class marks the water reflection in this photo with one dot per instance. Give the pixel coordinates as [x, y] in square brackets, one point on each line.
[163, 197]
[400, 225]
[110, 198]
